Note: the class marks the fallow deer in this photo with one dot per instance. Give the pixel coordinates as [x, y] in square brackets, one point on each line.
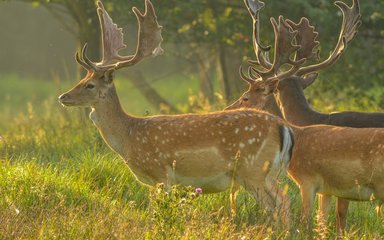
[289, 94]
[212, 151]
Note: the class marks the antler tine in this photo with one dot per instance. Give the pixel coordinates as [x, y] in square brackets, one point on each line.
[244, 77]
[284, 48]
[254, 7]
[80, 61]
[88, 64]
[351, 22]
[306, 38]
[252, 73]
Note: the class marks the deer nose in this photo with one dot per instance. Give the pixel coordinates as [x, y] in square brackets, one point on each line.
[62, 97]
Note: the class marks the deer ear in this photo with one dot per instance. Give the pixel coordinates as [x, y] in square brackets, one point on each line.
[109, 75]
[308, 79]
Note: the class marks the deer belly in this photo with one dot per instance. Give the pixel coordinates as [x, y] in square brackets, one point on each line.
[211, 184]
[355, 193]
[204, 168]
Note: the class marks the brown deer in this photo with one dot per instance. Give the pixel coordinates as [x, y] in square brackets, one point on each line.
[289, 89]
[211, 151]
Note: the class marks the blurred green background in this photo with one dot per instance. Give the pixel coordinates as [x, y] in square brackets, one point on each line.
[205, 42]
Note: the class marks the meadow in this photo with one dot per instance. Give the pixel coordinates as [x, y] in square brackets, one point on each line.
[58, 179]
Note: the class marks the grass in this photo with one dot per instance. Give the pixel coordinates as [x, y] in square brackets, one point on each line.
[58, 180]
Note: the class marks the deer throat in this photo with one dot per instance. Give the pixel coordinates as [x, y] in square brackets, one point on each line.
[113, 128]
[93, 117]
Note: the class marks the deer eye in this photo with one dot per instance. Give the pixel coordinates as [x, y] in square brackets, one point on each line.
[89, 86]
[245, 99]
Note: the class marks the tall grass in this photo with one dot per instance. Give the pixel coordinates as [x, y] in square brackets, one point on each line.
[58, 180]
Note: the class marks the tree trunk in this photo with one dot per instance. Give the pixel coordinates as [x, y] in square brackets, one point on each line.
[205, 79]
[222, 72]
[152, 96]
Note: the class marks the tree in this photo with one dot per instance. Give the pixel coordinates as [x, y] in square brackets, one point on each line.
[213, 36]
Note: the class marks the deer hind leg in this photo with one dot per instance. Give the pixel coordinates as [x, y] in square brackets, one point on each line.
[273, 199]
[258, 191]
[279, 199]
[324, 207]
[341, 215]
[378, 210]
[232, 200]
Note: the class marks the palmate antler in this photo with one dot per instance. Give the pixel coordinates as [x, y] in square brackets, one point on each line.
[285, 48]
[305, 38]
[149, 40]
[298, 40]
[351, 22]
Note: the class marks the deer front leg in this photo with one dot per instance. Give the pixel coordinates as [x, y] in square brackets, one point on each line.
[324, 207]
[341, 214]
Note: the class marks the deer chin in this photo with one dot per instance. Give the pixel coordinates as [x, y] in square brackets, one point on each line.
[73, 104]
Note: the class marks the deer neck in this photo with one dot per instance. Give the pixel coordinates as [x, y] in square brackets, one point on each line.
[294, 106]
[112, 122]
[272, 106]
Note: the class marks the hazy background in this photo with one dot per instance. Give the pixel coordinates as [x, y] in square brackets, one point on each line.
[33, 43]
[205, 43]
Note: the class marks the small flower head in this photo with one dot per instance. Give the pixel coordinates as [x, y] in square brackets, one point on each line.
[199, 190]
[174, 165]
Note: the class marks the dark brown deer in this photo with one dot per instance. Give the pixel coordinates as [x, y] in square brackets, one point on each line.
[289, 100]
[212, 151]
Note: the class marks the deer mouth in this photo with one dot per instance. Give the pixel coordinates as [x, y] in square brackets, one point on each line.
[66, 101]
[67, 104]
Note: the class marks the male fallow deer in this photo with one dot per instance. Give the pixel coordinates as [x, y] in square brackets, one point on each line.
[212, 151]
[293, 103]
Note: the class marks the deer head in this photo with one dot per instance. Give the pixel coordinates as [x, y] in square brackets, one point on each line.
[259, 95]
[295, 43]
[95, 86]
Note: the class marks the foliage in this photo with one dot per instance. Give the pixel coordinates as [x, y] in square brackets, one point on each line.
[170, 209]
[213, 36]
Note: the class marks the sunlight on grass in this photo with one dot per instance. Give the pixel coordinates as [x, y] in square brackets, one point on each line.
[58, 180]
